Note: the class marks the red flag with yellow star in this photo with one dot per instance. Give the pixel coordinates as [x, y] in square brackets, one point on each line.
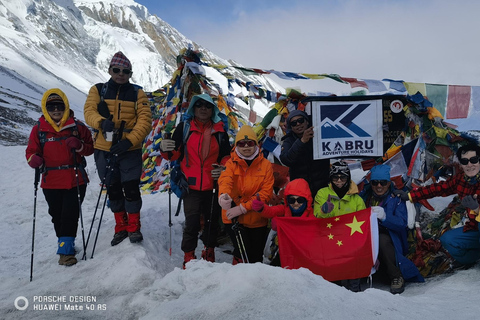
[337, 248]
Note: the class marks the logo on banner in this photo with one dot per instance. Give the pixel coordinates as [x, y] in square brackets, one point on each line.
[347, 128]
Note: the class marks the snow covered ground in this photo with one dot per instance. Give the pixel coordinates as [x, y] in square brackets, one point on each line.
[142, 281]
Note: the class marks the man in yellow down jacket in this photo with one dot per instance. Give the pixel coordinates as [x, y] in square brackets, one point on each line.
[120, 114]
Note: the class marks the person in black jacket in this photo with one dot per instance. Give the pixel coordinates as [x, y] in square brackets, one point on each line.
[297, 152]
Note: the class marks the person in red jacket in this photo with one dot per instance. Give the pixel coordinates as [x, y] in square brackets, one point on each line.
[201, 144]
[56, 144]
[297, 203]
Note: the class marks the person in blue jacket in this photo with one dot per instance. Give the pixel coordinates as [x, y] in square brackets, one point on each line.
[392, 227]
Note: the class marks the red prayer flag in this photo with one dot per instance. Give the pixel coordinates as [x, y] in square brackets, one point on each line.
[458, 101]
[337, 248]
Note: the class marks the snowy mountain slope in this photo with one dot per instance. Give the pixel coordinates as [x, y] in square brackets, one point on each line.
[142, 281]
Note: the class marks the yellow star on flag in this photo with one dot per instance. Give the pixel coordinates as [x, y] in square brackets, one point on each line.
[337, 219]
[339, 243]
[330, 236]
[355, 226]
[329, 225]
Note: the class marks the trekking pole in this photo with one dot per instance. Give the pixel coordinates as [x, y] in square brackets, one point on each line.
[240, 243]
[170, 216]
[35, 184]
[111, 167]
[75, 164]
[96, 209]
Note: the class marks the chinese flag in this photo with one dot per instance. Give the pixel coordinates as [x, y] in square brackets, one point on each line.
[337, 248]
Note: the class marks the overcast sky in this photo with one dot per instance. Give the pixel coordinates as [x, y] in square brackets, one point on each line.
[432, 41]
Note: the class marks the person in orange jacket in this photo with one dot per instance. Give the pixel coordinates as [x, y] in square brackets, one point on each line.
[57, 147]
[297, 203]
[247, 174]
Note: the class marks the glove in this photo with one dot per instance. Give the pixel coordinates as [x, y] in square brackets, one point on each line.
[74, 143]
[470, 202]
[217, 171]
[257, 204]
[167, 145]
[35, 161]
[121, 147]
[380, 213]
[327, 207]
[235, 212]
[225, 201]
[107, 125]
[401, 194]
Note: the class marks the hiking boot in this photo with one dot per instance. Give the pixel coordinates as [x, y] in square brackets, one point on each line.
[397, 285]
[67, 260]
[135, 236]
[188, 257]
[119, 237]
[236, 260]
[208, 254]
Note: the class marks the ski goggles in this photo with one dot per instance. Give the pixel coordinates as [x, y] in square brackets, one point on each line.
[299, 200]
[340, 177]
[124, 71]
[53, 107]
[377, 182]
[472, 160]
[246, 143]
[294, 123]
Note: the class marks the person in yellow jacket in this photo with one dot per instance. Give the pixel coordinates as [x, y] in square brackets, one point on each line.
[247, 175]
[120, 114]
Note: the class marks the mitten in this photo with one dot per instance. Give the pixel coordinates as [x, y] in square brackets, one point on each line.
[235, 212]
[470, 202]
[107, 125]
[257, 204]
[35, 161]
[74, 143]
[167, 145]
[401, 194]
[328, 206]
[380, 213]
[121, 147]
[225, 201]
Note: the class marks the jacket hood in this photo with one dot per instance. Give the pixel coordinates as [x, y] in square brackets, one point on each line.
[299, 187]
[191, 113]
[66, 114]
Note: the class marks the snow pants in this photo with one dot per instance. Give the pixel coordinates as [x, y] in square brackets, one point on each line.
[462, 246]
[254, 240]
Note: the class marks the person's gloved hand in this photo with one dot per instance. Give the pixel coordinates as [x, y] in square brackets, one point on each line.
[225, 201]
[121, 147]
[167, 145]
[401, 194]
[35, 161]
[257, 204]
[235, 212]
[217, 171]
[74, 143]
[107, 125]
[470, 202]
[328, 206]
[380, 213]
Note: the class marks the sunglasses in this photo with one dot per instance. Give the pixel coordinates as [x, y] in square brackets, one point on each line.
[125, 71]
[246, 143]
[339, 177]
[377, 182]
[473, 160]
[53, 107]
[296, 122]
[299, 200]
[203, 105]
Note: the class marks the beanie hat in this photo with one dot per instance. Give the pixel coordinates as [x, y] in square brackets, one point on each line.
[340, 167]
[119, 59]
[295, 113]
[246, 132]
[54, 99]
[380, 172]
